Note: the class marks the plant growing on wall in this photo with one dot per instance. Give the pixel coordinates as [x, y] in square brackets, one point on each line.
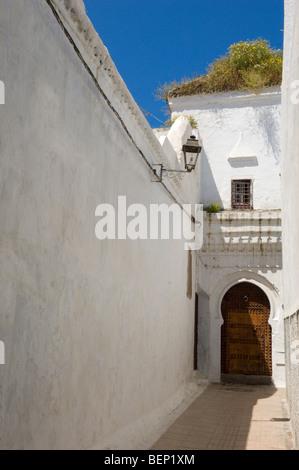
[248, 65]
[213, 207]
[162, 93]
[190, 118]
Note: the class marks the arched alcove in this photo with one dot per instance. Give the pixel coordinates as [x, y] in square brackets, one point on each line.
[216, 317]
[246, 337]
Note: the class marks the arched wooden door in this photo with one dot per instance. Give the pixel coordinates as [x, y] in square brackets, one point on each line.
[246, 333]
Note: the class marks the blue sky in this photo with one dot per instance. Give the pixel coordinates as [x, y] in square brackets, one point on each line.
[154, 42]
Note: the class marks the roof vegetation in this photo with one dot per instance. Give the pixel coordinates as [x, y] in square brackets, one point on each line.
[248, 65]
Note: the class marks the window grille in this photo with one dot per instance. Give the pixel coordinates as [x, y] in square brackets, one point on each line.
[241, 194]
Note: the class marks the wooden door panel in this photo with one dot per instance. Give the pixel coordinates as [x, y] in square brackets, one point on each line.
[246, 333]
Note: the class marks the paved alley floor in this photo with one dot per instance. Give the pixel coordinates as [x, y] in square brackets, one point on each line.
[232, 417]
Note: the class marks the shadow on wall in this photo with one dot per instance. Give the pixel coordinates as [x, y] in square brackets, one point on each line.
[208, 190]
[269, 126]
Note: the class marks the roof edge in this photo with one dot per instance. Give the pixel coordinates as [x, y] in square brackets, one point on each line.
[96, 55]
[231, 98]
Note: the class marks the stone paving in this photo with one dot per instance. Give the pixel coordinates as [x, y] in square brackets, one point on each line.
[232, 417]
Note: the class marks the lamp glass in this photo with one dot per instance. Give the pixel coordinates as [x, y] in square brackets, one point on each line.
[191, 151]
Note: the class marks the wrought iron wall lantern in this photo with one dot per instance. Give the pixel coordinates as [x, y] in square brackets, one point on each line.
[191, 151]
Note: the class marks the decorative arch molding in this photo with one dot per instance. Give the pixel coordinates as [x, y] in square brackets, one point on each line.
[246, 276]
[216, 318]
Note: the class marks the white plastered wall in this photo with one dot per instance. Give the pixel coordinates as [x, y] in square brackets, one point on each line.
[98, 334]
[240, 134]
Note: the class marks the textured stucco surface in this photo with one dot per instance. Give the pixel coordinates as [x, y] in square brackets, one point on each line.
[240, 133]
[98, 334]
[290, 226]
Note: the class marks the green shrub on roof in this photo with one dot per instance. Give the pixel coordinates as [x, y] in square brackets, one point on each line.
[248, 65]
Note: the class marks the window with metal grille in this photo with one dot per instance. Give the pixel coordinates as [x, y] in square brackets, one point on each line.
[241, 194]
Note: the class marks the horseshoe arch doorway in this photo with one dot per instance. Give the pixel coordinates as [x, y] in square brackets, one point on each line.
[246, 343]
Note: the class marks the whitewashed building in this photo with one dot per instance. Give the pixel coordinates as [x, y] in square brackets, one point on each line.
[241, 253]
